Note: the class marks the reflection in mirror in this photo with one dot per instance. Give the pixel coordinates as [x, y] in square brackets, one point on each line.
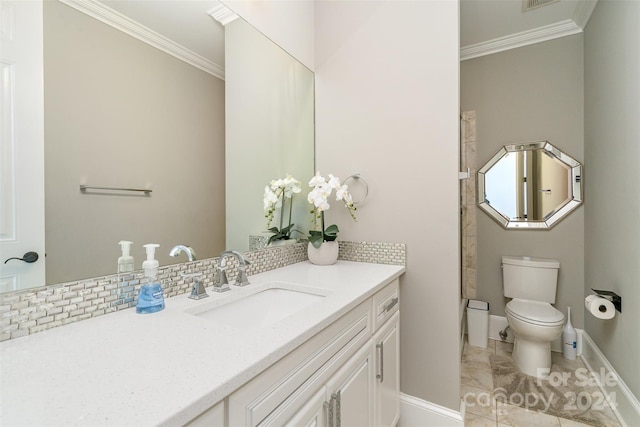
[121, 113]
[262, 79]
[530, 186]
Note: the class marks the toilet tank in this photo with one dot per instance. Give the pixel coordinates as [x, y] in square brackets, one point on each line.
[529, 278]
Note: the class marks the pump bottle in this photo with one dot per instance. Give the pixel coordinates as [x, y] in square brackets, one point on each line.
[150, 298]
[125, 262]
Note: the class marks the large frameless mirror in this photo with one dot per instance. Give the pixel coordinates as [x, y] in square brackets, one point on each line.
[121, 112]
[530, 186]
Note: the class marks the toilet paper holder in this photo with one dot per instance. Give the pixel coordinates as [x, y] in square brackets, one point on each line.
[611, 296]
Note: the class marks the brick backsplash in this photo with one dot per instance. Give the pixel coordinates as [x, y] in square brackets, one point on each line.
[37, 309]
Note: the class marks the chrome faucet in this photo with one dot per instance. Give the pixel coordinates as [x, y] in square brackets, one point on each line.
[177, 250]
[241, 278]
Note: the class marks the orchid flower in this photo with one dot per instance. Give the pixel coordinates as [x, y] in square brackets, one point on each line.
[275, 195]
[318, 197]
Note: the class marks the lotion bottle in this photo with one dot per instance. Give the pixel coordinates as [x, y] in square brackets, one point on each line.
[150, 298]
[569, 339]
[125, 262]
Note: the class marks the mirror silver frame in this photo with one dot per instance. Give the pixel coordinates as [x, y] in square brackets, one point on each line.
[554, 216]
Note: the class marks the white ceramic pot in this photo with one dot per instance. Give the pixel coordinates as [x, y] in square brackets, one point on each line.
[326, 254]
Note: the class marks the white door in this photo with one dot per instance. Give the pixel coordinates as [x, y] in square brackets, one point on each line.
[313, 413]
[387, 342]
[21, 144]
[350, 392]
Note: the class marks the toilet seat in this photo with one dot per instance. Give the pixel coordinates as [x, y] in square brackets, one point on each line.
[534, 312]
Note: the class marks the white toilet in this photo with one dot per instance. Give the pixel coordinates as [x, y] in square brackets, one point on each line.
[532, 283]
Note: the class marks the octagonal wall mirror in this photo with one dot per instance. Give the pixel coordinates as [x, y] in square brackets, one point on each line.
[530, 186]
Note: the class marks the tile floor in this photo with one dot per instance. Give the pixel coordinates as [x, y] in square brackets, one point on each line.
[485, 408]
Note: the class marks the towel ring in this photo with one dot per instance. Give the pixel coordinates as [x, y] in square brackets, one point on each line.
[358, 177]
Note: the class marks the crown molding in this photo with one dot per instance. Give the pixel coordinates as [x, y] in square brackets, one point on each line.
[548, 32]
[105, 14]
[583, 12]
[222, 14]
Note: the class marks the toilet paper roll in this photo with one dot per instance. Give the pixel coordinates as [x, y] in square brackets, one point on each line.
[600, 307]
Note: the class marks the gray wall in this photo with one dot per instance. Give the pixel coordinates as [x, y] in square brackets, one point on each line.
[387, 107]
[119, 112]
[612, 207]
[527, 94]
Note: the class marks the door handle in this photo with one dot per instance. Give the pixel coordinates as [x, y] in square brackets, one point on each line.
[333, 410]
[28, 257]
[391, 304]
[338, 409]
[380, 348]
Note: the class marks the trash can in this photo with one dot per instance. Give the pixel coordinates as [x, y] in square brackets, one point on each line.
[478, 323]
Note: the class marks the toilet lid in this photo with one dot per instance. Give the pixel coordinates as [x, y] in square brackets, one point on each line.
[534, 312]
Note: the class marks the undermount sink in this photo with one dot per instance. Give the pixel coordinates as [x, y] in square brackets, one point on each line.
[260, 309]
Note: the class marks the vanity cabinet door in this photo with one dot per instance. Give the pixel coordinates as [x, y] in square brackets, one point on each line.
[277, 395]
[313, 413]
[387, 376]
[350, 392]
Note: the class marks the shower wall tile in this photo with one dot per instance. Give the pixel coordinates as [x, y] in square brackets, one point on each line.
[468, 127]
[468, 203]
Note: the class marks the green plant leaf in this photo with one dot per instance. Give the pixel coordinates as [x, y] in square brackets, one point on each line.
[274, 237]
[315, 239]
[331, 233]
[284, 234]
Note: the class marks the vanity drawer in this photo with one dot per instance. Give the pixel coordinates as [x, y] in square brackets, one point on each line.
[385, 303]
[253, 402]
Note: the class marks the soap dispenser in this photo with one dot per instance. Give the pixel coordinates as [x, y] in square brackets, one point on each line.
[125, 262]
[150, 298]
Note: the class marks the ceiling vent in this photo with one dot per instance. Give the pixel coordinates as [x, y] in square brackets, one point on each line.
[528, 5]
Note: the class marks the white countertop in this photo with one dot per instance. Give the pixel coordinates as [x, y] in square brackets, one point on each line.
[165, 368]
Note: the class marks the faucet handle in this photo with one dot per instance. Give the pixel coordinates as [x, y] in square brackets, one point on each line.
[220, 278]
[220, 281]
[197, 291]
[241, 279]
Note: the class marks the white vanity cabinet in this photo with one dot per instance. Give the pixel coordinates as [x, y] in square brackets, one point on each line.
[387, 386]
[333, 362]
[350, 392]
[315, 413]
[348, 374]
[346, 399]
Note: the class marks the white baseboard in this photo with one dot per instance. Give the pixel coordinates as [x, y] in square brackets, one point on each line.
[416, 412]
[628, 408]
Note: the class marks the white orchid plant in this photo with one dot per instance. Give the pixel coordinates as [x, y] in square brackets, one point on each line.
[276, 195]
[318, 197]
